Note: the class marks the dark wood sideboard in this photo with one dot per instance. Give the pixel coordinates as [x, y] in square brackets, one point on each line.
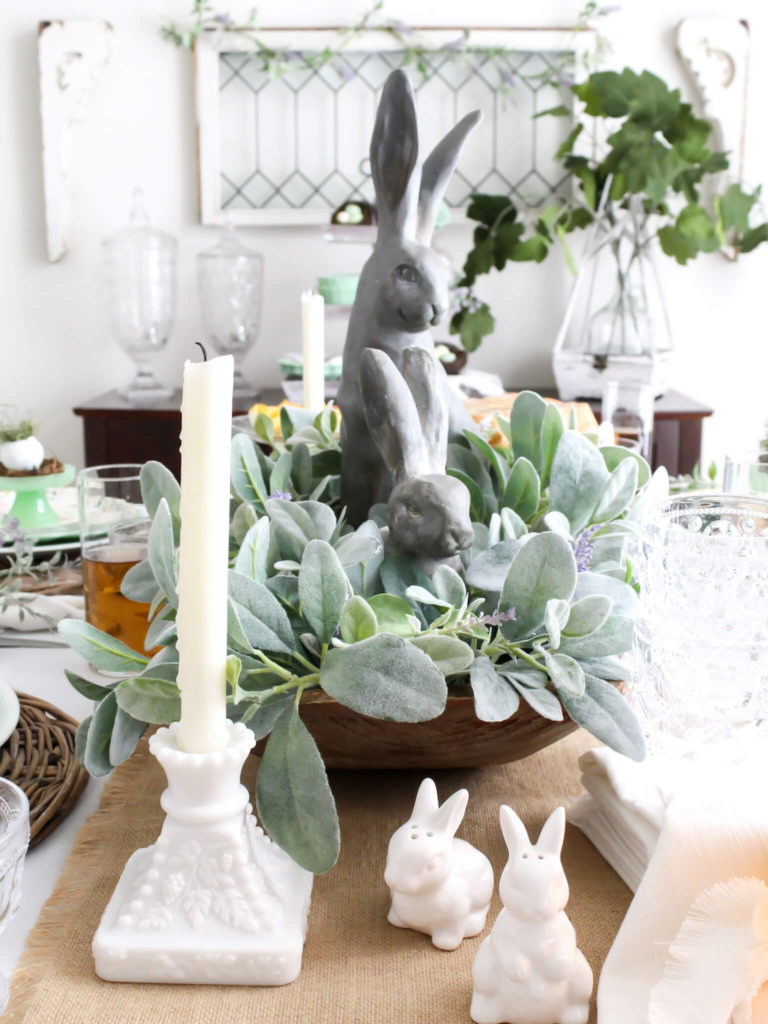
[116, 431]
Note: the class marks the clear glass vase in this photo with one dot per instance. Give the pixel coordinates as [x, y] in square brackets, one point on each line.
[230, 281]
[140, 278]
[701, 653]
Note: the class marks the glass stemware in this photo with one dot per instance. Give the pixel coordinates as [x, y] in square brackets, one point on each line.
[14, 840]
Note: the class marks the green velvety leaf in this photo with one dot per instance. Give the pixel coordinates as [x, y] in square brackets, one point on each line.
[449, 586]
[512, 526]
[543, 701]
[360, 546]
[161, 552]
[153, 700]
[567, 145]
[323, 589]
[488, 570]
[543, 568]
[587, 615]
[158, 482]
[96, 759]
[451, 655]
[398, 573]
[89, 690]
[523, 490]
[614, 454]
[244, 518]
[495, 699]
[252, 558]
[555, 617]
[618, 492]
[615, 636]
[293, 798]
[385, 677]
[552, 429]
[525, 422]
[394, 614]
[301, 469]
[497, 463]
[604, 713]
[578, 479]
[298, 522]
[81, 738]
[358, 620]
[261, 616]
[161, 631]
[100, 649]
[609, 668]
[247, 478]
[280, 479]
[476, 498]
[624, 600]
[261, 718]
[126, 733]
[566, 674]
[139, 583]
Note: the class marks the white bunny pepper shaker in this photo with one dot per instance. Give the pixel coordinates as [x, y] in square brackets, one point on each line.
[529, 970]
[440, 885]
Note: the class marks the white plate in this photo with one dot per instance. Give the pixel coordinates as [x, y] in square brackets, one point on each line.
[9, 711]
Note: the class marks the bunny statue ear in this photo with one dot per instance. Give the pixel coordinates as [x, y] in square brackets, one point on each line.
[394, 152]
[553, 833]
[426, 800]
[423, 375]
[436, 173]
[391, 415]
[513, 831]
[451, 814]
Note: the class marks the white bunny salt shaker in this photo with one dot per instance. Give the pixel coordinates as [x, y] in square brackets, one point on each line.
[529, 970]
[440, 885]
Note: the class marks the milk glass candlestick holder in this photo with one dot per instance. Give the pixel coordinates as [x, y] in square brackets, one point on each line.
[230, 282]
[701, 672]
[140, 278]
[213, 901]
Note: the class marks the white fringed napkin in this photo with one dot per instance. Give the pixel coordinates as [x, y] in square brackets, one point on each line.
[712, 827]
[39, 610]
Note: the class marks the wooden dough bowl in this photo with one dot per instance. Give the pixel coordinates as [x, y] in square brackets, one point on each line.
[456, 739]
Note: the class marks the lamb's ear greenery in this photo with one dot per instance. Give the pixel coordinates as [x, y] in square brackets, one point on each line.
[314, 603]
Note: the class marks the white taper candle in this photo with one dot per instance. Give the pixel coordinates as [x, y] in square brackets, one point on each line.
[206, 430]
[313, 337]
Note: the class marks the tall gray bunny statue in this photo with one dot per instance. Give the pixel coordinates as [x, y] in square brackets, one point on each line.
[404, 285]
[428, 512]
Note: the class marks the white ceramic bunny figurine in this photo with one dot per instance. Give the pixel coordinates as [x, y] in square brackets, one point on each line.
[529, 970]
[440, 885]
[404, 285]
[427, 512]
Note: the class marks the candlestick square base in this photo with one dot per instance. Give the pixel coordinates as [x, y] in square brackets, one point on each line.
[213, 900]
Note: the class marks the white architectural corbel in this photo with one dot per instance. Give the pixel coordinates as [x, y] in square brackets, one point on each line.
[72, 55]
[717, 52]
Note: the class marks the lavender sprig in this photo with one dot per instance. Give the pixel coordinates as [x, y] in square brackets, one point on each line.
[583, 547]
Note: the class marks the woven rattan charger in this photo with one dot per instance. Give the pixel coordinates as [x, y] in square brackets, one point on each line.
[39, 756]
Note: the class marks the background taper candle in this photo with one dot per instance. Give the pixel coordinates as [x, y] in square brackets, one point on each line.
[313, 336]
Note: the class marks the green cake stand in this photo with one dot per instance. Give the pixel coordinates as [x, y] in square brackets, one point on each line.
[30, 506]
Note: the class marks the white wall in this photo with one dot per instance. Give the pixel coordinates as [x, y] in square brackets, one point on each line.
[56, 347]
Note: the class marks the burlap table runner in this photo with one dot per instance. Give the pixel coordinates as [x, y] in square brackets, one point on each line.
[357, 968]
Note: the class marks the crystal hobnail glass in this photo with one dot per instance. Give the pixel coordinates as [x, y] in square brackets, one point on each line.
[14, 839]
[701, 652]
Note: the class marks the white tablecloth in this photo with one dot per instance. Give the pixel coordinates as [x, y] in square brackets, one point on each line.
[41, 673]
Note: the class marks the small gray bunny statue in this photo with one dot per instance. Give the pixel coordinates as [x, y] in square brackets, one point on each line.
[427, 512]
[404, 285]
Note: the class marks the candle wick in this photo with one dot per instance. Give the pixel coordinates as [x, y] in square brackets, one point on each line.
[202, 348]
